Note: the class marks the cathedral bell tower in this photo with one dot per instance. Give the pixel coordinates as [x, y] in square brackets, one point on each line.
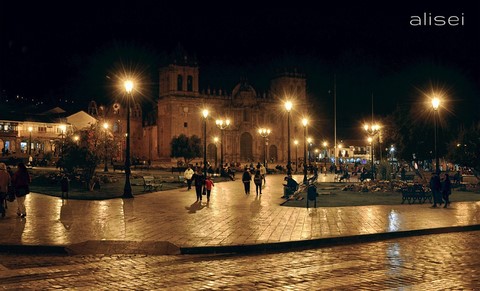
[179, 78]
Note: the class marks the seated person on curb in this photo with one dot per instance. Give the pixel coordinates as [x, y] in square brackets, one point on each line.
[290, 187]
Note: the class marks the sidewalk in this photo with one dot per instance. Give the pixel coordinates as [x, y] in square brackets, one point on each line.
[170, 222]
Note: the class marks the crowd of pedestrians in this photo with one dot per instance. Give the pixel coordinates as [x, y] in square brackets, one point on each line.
[14, 186]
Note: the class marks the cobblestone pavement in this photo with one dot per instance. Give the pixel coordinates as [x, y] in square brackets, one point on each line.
[231, 218]
[433, 262]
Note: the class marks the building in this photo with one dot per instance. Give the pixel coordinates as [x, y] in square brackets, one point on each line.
[179, 111]
[38, 134]
[180, 105]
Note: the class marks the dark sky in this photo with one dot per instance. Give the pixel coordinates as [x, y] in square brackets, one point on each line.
[65, 51]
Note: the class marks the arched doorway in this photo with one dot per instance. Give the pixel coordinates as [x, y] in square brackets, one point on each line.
[212, 154]
[272, 154]
[246, 150]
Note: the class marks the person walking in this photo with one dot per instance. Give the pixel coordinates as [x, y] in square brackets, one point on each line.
[436, 188]
[188, 174]
[209, 184]
[263, 173]
[21, 182]
[257, 179]
[198, 181]
[4, 184]
[446, 190]
[246, 178]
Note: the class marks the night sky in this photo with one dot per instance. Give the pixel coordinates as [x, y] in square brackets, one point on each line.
[73, 51]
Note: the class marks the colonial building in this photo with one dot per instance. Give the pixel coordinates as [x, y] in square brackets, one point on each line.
[181, 102]
[179, 111]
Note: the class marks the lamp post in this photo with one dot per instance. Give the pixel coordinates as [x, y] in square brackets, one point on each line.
[309, 141]
[30, 129]
[370, 141]
[264, 132]
[372, 130]
[215, 140]
[288, 107]
[205, 115]
[325, 144]
[63, 128]
[435, 105]
[105, 127]
[127, 190]
[295, 142]
[305, 123]
[222, 124]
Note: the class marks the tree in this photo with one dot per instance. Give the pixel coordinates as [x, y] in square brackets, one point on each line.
[83, 159]
[187, 148]
[465, 150]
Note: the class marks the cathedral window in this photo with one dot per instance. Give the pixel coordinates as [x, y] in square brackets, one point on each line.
[185, 124]
[179, 83]
[190, 83]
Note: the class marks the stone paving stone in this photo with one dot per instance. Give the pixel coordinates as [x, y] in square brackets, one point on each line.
[232, 218]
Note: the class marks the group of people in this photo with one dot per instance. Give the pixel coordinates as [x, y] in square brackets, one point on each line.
[258, 175]
[441, 189]
[14, 186]
[203, 185]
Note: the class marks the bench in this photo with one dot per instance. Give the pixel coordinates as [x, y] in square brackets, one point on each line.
[118, 166]
[416, 193]
[149, 184]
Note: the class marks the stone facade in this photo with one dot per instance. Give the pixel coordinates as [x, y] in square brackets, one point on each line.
[180, 105]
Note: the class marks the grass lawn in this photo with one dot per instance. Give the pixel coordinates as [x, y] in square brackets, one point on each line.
[335, 197]
[106, 191]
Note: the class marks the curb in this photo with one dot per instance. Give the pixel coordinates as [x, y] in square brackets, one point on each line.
[324, 242]
[167, 248]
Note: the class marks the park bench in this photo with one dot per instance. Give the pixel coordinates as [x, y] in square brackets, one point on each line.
[416, 193]
[149, 184]
[118, 166]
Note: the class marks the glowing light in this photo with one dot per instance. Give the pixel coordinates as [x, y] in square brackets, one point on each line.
[128, 86]
[304, 122]
[288, 106]
[105, 125]
[205, 113]
[435, 103]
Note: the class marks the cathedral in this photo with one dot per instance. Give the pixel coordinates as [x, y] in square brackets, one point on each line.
[179, 111]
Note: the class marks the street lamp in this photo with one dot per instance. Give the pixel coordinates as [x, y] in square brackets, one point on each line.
[392, 151]
[222, 124]
[30, 129]
[370, 141]
[63, 128]
[295, 142]
[288, 107]
[127, 190]
[435, 105]
[325, 144]
[305, 123]
[372, 130]
[309, 141]
[205, 115]
[264, 132]
[105, 127]
[215, 140]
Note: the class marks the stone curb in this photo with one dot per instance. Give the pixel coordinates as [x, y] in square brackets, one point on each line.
[167, 248]
[323, 242]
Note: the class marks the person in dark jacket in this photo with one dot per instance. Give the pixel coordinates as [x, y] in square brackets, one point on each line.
[199, 181]
[246, 178]
[446, 190]
[21, 181]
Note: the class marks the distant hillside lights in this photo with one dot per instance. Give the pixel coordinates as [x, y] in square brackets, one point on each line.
[437, 20]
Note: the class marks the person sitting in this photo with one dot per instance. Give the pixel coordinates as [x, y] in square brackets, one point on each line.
[345, 176]
[290, 187]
